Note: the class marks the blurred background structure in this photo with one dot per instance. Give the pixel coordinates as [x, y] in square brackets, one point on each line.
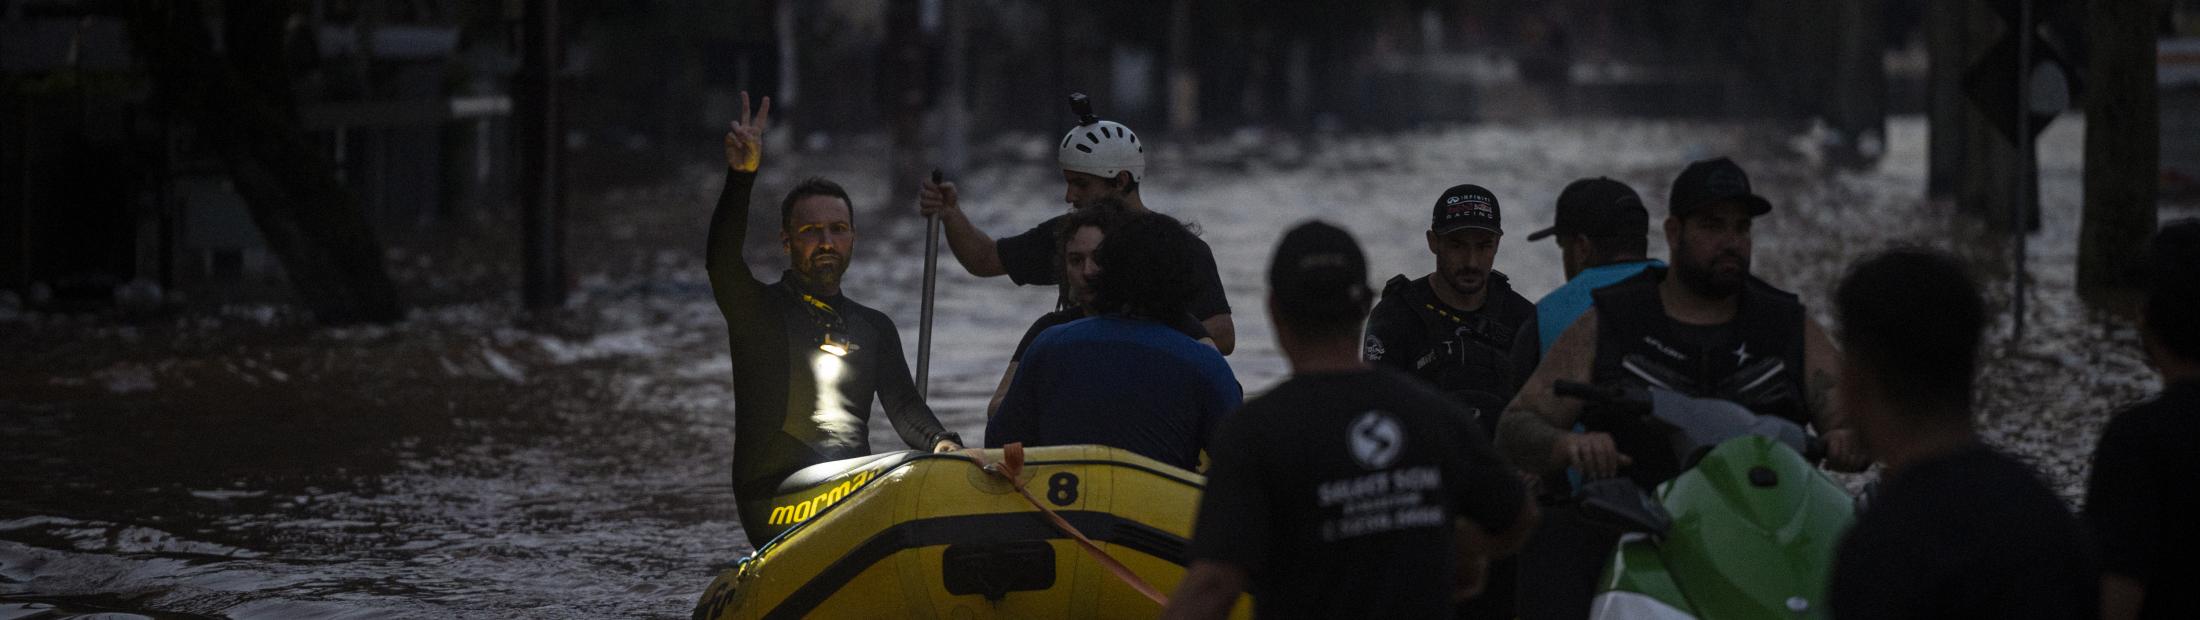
[235, 150]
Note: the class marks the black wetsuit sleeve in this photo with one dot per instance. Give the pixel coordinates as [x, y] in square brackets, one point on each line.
[897, 393]
[1029, 257]
[1211, 300]
[1233, 526]
[1393, 335]
[757, 341]
[1492, 494]
[737, 290]
[2123, 501]
[1526, 353]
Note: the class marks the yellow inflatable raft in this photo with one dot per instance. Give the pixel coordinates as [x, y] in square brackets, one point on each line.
[916, 535]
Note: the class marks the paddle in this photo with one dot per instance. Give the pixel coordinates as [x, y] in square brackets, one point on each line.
[931, 280]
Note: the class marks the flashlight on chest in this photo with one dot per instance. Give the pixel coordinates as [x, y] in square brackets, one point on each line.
[834, 340]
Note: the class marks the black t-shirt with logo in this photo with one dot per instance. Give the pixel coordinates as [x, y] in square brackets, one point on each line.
[1336, 493]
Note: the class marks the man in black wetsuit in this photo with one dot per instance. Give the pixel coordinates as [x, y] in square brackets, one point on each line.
[1957, 529]
[2143, 481]
[807, 362]
[1350, 490]
[1709, 330]
[1100, 160]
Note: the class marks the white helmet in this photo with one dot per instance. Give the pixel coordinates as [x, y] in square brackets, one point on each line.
[1101, 148]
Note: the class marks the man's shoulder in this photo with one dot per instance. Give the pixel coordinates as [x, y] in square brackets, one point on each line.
[1980, 481]
[1506, 301]
[1399, 293]
[1058, 317]
[1384, 388]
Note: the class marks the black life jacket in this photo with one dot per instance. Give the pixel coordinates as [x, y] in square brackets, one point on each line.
[1756, 360]
[1469, 355]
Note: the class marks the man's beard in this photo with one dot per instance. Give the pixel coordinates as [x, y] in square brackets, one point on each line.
[1704, 279]
[817, 274]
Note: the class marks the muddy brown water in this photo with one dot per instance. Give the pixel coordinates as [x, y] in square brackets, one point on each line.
[236, 461]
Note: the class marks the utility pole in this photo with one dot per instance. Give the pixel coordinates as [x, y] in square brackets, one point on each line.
[2123, 143]
[542, 158]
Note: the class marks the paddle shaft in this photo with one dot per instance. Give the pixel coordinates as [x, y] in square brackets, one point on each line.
[931, 281]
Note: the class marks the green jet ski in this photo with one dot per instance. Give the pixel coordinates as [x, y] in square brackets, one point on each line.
[1747, 530]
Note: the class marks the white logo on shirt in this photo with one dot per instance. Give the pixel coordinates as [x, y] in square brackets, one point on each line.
[1741, 354]
[1374, 348]
[1376, 440]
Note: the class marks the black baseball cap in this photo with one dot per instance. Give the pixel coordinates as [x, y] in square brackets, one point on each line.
[1465, 206]
[1317, 264]
[1712, 180]
[1598, 207]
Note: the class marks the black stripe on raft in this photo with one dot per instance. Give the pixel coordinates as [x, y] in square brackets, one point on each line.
[1099, 526]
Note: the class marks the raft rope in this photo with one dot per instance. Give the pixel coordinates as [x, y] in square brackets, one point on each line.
[1011, 469]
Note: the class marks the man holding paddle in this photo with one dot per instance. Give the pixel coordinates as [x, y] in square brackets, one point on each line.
[807, 361]
[1102, 161]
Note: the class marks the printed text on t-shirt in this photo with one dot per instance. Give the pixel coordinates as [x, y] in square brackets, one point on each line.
[1380, 502]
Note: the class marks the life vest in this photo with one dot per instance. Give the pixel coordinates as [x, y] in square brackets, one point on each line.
[1755, 360]
[1468, 355]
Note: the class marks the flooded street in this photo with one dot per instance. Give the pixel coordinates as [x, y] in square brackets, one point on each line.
[238, 462]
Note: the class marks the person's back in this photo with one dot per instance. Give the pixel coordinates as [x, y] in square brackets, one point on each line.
[2143, 481]
[1957, 529]
[1971, 534]
[1349, 490]
[1356, 475]
[1601, 227]
[2144, 484]
[1113, 380]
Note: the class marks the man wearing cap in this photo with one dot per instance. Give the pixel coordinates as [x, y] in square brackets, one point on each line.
[1350, 490]
[1601, 229]
[1708, 330]
[1454, 326]
[1100, 159]
[1454, 329]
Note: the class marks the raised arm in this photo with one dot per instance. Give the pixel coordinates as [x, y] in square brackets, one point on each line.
[1534, 432]
[730, 278]
[972, 247]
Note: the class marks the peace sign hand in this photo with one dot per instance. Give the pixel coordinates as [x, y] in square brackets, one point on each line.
[745, 141]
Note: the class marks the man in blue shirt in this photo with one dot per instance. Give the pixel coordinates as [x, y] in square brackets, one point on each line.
[1125, 378]
[1603, 237]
